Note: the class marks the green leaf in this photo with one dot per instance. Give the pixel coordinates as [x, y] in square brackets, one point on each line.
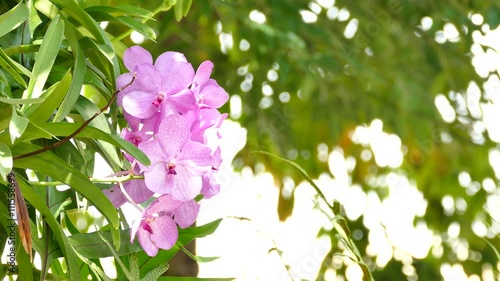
[134, 266]
[33, 131]
[20, 101]
[186, 5]
[115, 254]
[17, 126]
[197, 258]
[148, 263]
[45, 58]
[13, 68]
[25, 268]
[54, 225]
[13, 18]
[122, 9]
[92, 246]
[188, 234]
[154, 274]
[39, 113]
[95, 268]
[65, 129]
[46, 8]
[5, 160]
[74, 10]
[178, 10]
[87, 109]
[138, 26]
[79, 70]
[5, 116]
[61, 171]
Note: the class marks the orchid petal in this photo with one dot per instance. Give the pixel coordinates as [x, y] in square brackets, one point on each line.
[197, 157]
[177, 74]
[135, 56]
[214, 95]
[153, 150]
[183, 101]
[140, 104]
[172, 134]
[157, 179]
[165, 232]
[186, 214]
[203, 73]
[185, 186]
[149, 78]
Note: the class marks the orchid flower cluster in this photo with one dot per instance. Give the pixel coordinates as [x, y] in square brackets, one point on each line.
[172, 116]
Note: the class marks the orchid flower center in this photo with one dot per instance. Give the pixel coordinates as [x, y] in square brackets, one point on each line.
[137, 140]
[171, 169]
[145, 225]
[159, 99]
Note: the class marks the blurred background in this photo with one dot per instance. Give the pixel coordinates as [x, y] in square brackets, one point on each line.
[392, 106]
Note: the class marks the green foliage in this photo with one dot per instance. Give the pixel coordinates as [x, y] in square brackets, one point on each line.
[57, 83]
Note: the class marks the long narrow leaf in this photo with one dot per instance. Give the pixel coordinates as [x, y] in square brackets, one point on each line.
[65, 129]
[20, 101]
[78, 76]
[49, 164]
[13, 68]
[155, 273]
[13, 18]
[147, 263]
[122, 9]
[45, 58]
[17, 126]
[77, 12]
[87, 109]
[54, 225]
[52, 98]
[92, 246]
[138, 26]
